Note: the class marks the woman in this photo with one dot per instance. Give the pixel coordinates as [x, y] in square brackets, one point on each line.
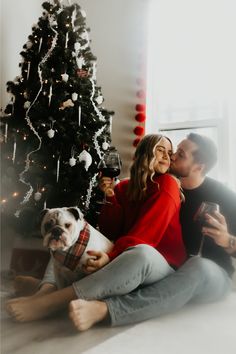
[143, 216]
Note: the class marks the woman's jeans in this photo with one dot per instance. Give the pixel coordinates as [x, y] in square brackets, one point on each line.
[139, 265]
[199, 280]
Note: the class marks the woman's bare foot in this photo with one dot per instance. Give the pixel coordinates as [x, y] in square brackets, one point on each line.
[84, 314]
[25, 285]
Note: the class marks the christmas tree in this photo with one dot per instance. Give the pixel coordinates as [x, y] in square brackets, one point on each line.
[54, 129]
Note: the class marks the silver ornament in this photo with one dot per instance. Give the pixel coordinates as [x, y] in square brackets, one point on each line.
[65, 77]
[99, 100]
[51, 133]
[72, 161]
[27, 104]
[37, 196]
[105, 145]
[85, 157]
[74, 96]
[77, 46]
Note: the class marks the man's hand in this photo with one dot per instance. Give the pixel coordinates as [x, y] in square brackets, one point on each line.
[99, 260]
[219, 229]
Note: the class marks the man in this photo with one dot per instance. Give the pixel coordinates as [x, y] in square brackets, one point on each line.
[200, 279]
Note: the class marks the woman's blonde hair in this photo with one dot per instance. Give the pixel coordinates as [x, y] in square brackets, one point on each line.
[142, 168]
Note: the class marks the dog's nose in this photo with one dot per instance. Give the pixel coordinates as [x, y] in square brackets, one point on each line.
[56, 232]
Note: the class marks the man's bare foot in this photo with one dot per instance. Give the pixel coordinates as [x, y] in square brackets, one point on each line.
[26, 309]
[25, 285]
[84, 314]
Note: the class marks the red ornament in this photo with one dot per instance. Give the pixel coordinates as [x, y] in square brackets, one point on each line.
[136, 141]
[140, 94]
[82, 73]
[140, 107]
[140, 81]
[138, 130]
[140, 117]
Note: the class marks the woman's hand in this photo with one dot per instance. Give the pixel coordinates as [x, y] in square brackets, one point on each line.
[93, 264]
[106, 185]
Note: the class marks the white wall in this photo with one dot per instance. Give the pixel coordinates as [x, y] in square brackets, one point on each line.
[118, 41]
[17, 18]
[193, 72]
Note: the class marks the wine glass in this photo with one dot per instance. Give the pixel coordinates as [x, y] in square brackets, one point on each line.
[110, 166]
[200, 219]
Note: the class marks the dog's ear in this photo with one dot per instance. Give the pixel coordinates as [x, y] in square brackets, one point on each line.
[41, 215]
[76, 212]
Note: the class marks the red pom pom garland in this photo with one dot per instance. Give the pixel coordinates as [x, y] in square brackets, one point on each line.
[140, 107]
[140, 117]
[139, 130]
[136, 141]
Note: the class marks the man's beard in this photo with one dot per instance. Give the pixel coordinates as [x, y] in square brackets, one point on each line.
[173, 170]
[178, 173]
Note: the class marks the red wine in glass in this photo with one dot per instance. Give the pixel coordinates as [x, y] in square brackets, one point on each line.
[199, 218]
[110, 172]
[110, 166]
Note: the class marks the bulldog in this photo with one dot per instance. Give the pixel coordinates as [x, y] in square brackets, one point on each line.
[68, 237]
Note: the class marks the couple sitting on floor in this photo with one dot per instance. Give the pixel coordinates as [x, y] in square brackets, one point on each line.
[153, 267]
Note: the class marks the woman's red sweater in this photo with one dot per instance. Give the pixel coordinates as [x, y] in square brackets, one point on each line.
[153, 221]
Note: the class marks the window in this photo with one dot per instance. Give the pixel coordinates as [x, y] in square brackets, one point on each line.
[191, 81]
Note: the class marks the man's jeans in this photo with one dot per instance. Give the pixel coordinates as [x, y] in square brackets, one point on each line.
[199, 280]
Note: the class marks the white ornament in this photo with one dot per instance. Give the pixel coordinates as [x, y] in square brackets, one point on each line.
[105, 145]
[27, 104]
[94, 71]
[73, 18]
[50, 95]
[40, 44]
[37, 196]
[51, 133]
[85, 156]
[58, 168]
[66, 42]
[80, 61]
[74, 96]
[77, 46]
[85, 35]
[99, 100]
[65, 77]
[79, 115]
[72, 161]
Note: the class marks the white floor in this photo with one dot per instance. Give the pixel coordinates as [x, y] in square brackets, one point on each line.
[207, 329]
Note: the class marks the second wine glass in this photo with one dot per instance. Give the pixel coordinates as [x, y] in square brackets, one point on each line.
[200, 218]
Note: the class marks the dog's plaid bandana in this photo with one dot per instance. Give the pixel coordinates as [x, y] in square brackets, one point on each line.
[71, 257]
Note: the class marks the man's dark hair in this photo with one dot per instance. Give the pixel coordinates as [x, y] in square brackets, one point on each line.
[206, 153]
